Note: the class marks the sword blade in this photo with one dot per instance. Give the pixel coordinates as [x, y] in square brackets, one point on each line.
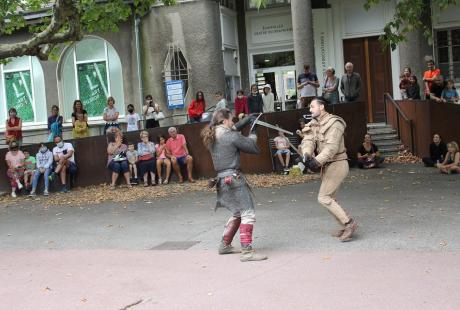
[268, 125]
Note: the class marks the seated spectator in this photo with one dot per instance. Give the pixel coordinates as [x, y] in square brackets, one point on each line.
[163, 160]
[54, 123]
[221, 102]
[368, 154]
[117, 161]
[44, 160]
[413, 90]
[404, 82]
[437, 87]
[179, 154]
[15, 167]
[438, 150]
[133, 157]
[449, 94]
[241, 104]
[429, 76]
[146, 160]
[64, 158]
[451, 163]
[111, 115]
[80, 129]
[29, 169]
[282, 148]
[196, 108]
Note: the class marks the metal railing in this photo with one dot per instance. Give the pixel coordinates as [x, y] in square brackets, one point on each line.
[389, 101]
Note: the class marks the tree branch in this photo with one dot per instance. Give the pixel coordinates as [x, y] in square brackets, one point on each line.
[64, 13]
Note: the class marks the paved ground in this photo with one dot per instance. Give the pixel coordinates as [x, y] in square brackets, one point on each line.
[406, 256]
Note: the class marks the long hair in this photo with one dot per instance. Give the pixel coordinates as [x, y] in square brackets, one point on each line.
[208, 134]
[453, 145]
[75, 105]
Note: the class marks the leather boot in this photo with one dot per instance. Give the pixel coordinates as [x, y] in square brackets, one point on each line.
[249, 255]
[231, 228]
[338, 233]
[227, 249]
[350, 228]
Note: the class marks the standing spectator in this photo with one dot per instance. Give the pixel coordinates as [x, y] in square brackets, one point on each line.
[255, 101]
[368, 154]
[449, 94]
[331, 87]
[146, 162]
[44, 159]
[111, 115]
[151, 112]
[132, 119]
[117, 161]
[241, 104]
[54, 123]
[80, 127]
[438, 150]
[451, 163]
[29, 169]
[429, 76]
[404, 82]
[197, 107]
[162, 160]
[133, 157]
[221, 102]
[413, 90]
[282, 148]
[269, 99]
[307, 83]
[64, 157]
[350, 84]
[179, 154]
[15, 167]
[78, 109]
[13, 127]
[437, 88]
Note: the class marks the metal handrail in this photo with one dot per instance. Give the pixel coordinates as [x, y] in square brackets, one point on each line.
[387, 96]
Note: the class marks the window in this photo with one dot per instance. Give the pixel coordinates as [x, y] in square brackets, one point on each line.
[251, 5]
[230, 4]
[176, 67]
[270, 60]
[448, 53]
[91, 71]
[22, 86]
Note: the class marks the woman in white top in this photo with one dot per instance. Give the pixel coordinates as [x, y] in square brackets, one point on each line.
[269, 99]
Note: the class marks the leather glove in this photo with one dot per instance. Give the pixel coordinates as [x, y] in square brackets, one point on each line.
[313, 164]
[243, 123]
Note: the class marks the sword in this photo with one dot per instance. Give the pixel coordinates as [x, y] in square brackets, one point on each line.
[268, 125]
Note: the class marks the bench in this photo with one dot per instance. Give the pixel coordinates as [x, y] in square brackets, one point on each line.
[294, 140]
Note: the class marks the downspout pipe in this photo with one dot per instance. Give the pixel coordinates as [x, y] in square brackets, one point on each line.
[137, 22]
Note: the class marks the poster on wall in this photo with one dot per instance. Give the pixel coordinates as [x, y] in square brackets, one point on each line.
[93, 86]
[175, 94]
[19, 95]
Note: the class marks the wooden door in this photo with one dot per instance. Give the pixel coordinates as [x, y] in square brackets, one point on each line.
[374, 65]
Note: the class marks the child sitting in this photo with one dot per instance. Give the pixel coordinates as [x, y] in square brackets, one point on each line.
[282, 146]
[162, 159]
[80, 129]
[29, 166]
[451, 162]
[132, 156]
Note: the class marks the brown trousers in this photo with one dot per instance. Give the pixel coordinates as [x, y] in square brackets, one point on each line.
[332, 177]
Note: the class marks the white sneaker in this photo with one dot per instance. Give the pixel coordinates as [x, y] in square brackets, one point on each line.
[13, 194]
[45, 193]
[160, 181]
[32, 194]
[19, 184]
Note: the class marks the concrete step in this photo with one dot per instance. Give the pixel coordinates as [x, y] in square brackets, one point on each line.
[389, 149]
[387, 142]
[376, 125]
[390, 154]
[382, 131]
[381, 137]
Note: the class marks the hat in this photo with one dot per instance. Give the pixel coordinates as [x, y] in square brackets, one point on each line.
[267, 85]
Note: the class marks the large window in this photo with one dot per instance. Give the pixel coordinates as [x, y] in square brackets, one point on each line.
[448, 53]
[91, 71]
[22, 86]
[252, 5]
[270, 60]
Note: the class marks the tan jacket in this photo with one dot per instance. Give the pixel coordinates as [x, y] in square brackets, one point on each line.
[326, 136]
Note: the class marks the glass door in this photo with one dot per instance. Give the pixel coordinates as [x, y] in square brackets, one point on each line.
[283, 84]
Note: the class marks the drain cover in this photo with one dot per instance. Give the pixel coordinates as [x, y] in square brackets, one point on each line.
[175, 245]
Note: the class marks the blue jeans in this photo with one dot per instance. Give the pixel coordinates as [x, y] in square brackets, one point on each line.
[37, 177]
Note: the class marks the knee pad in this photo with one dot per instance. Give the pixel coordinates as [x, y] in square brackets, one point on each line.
[248, 217]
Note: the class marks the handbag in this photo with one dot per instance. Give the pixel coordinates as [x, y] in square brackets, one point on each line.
[159, 116]
[145, 157]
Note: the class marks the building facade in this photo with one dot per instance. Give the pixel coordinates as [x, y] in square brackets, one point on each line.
[222, 46]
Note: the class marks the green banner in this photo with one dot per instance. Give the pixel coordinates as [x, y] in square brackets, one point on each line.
[93, 86]
[19, 94]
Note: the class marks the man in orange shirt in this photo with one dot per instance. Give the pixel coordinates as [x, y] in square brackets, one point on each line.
[429, 76]
[179, 154]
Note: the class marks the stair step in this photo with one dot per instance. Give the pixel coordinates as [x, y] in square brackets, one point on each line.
[384, 137]
[383, 143]
[381, 131]
[387, 149]
[390, 154]
[377, 125]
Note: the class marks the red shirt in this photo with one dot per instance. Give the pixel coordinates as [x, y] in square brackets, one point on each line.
[430, 74]
[16, 133]
[176, 146]
[196, 108]
[241, 105]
